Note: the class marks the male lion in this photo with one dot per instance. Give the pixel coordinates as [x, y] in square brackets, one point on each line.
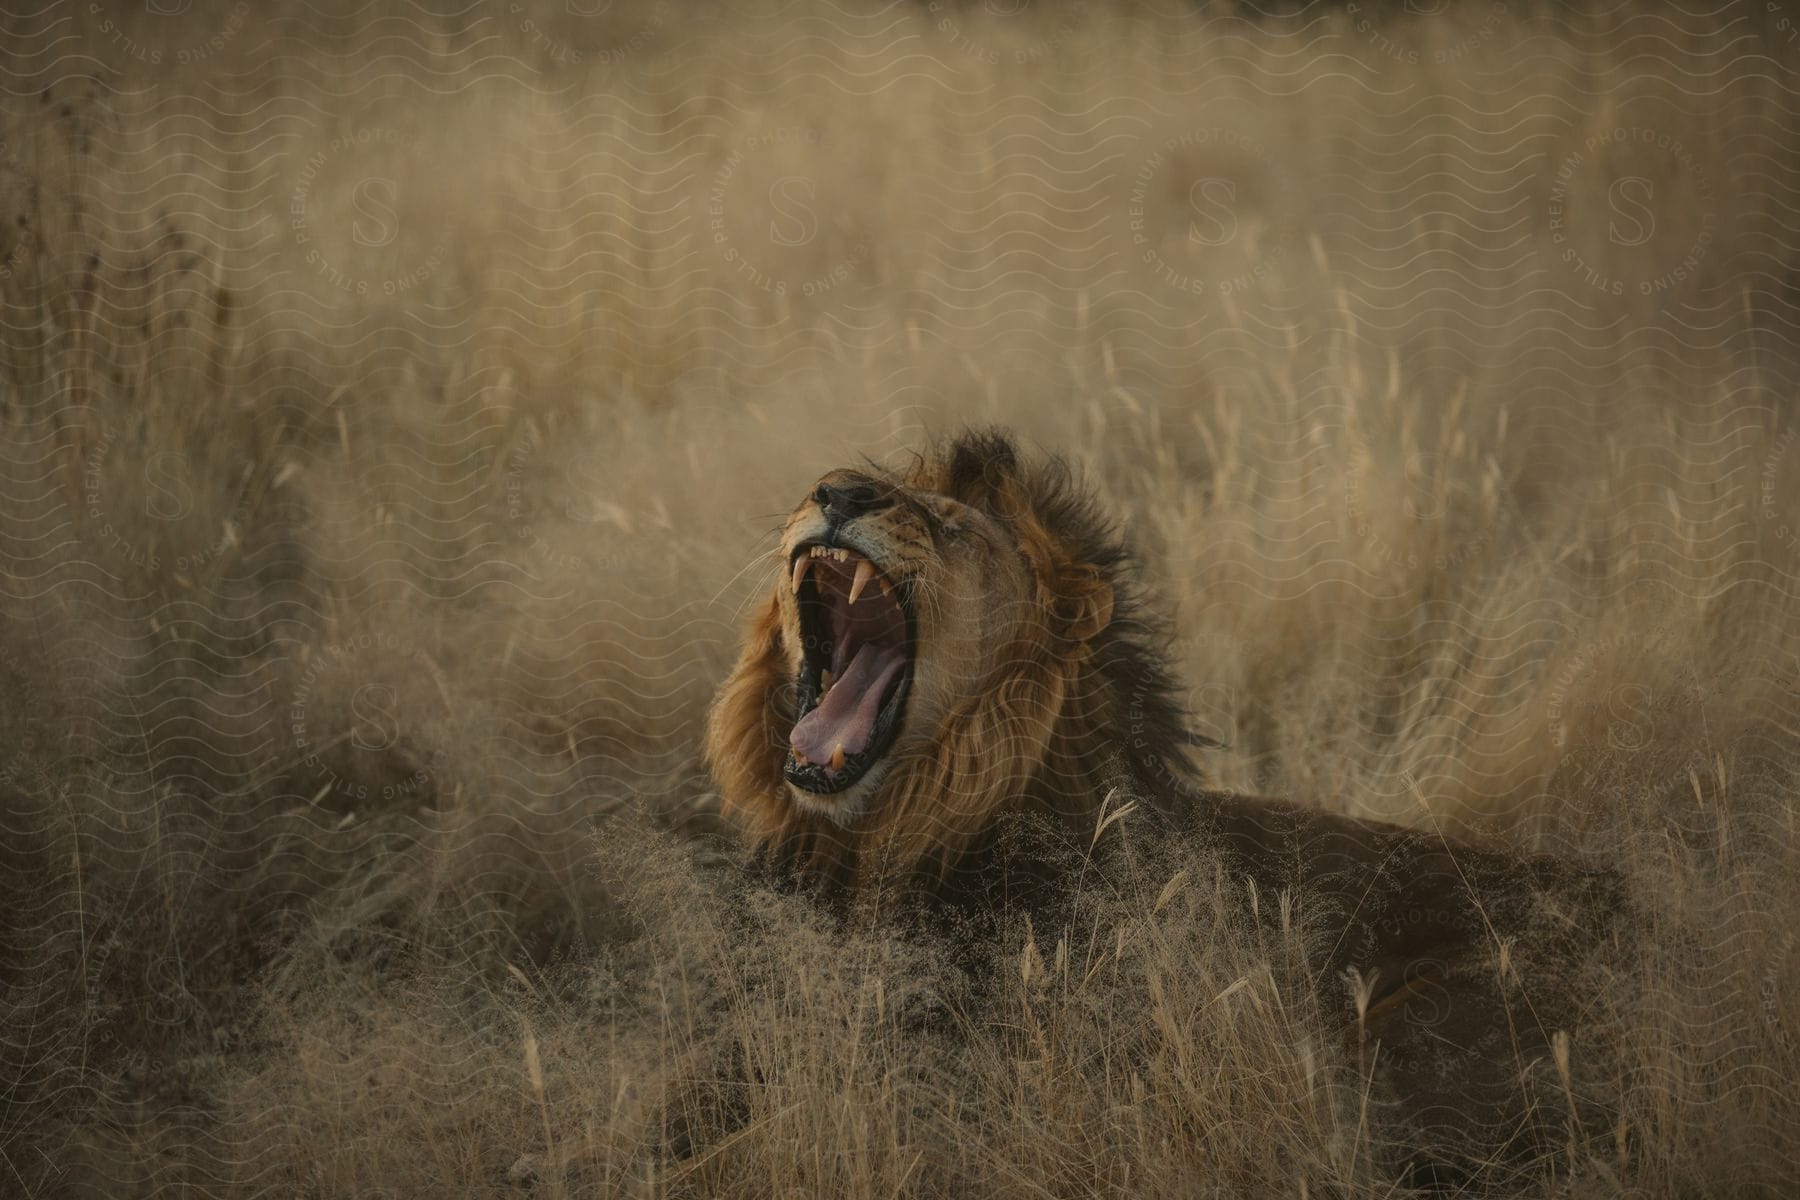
[960, 650]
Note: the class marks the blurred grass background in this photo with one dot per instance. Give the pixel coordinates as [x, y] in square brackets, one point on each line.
[398, 402]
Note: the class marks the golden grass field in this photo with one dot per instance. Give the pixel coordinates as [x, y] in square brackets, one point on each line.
[399, 403]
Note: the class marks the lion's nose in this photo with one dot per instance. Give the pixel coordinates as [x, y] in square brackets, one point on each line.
[843, 501]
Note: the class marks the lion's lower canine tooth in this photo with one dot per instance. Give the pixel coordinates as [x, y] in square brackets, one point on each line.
[824, 681]
[800, 758]
[865, 571]
[837, 757]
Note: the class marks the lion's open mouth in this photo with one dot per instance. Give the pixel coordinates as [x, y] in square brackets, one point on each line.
[856, 629]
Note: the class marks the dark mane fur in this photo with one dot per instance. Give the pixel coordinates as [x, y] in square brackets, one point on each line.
[1151, 728]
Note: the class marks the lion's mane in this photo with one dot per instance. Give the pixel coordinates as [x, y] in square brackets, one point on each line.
[1081, 709]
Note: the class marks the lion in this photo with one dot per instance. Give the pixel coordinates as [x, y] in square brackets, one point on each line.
[963, 649]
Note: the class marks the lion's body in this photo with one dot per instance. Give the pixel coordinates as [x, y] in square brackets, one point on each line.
[1037, 691]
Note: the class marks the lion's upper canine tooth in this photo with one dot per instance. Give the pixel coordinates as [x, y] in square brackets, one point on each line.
[865, 571]
[801, 566]
[837, 757]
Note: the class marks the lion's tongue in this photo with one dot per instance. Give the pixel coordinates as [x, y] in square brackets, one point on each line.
[846, 716]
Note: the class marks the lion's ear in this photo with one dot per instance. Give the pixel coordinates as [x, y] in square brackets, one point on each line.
[1084, 601]
[983, 468]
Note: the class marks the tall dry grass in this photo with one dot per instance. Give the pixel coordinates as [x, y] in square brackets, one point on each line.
[397, 407]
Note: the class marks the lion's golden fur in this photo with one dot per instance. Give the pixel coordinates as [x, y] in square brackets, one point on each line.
[1072, 703]
[1043, 694]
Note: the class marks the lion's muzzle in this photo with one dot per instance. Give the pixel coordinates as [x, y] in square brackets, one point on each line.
[856, 633]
